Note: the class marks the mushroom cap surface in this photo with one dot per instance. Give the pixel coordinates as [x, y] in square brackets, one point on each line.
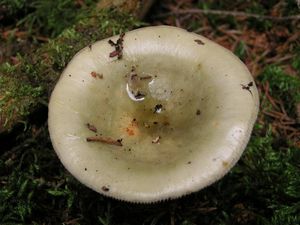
[194, 107]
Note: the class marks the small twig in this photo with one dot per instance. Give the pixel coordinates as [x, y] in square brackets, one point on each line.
[271, 100]
[231, 33]
[282, 108]
[272, 115]
[280, 116]
[105, 140]
[228, 13]
[294, 134]
[146, 77]
[285, 127]
[259, 58]
[177, 22]
[288, 122]
[278, 60]
[202, 29]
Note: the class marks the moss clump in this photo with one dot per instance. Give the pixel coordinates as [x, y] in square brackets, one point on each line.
[282, 86]
[38, 71]
[15, 99]
[269, 172]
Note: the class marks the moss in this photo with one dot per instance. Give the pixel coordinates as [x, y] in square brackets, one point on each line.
[31, 81]
[282, 86]
[13, 6]
[241, 50]
[35, 17]
[296, 60]
[269, 172]
[16, 98]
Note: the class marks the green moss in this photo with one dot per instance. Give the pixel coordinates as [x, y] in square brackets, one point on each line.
[16, 99]
[6, 68]
[35, 17]
[241, 50]
[277, 164]
[296, 60]
[282, 86]
[13, 6]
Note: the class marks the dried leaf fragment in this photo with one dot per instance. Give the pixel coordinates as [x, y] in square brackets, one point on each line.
[118, 47]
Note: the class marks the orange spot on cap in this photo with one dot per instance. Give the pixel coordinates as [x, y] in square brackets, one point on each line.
[129, 131]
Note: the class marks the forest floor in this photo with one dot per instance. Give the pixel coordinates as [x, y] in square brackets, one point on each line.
[264, 186]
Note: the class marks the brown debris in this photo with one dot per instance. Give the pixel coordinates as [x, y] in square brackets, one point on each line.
[198, 112]
[158, 108]
[225, 163]
[166, 123]
[96, 75]
[135, 78]
[146, 77]
[129, 131]
[139, 95]
[247, 87]
[105, 140]
[132, 128]
[105, 188]
[91, 127]
[114, 53]
[198, 41]
[118, 47]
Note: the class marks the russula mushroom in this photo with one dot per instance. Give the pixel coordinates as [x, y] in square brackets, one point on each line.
[171, 114]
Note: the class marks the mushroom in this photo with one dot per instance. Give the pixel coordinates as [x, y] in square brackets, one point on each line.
[186, 74]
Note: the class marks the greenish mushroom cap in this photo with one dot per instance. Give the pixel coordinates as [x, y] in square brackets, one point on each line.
[154, 115]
